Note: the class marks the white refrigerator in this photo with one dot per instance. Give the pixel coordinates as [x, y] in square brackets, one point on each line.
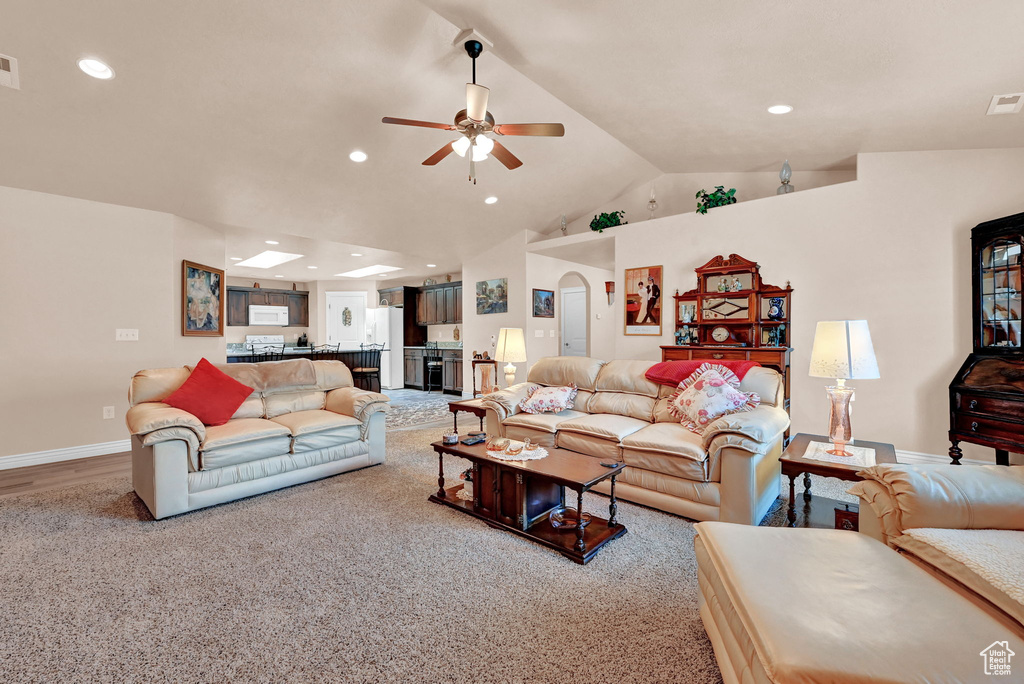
[385, 325]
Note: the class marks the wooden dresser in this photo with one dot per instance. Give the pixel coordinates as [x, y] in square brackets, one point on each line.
[986, 397]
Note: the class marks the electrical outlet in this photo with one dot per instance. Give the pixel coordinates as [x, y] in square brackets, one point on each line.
[538, 333]
[126, 335]
[551, 333]
[108, 413]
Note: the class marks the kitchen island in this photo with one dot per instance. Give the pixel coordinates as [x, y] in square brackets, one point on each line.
[353, 358]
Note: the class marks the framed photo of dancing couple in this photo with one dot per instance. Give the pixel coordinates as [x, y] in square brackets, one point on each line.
[643, 301]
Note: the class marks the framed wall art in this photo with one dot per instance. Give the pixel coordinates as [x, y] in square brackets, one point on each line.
[543, 303]
[492, 296]
[202, 300]
[643, 301]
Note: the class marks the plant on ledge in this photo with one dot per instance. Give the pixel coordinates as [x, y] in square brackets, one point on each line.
[719, 198]
[608, 220]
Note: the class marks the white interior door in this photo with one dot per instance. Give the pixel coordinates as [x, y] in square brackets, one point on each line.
[574, 321]
[346, 319]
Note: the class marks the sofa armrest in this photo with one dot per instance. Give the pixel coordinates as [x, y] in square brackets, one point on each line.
[355, 402]
[505, 402]
[152, 416]
[759, 426]
[945, 496]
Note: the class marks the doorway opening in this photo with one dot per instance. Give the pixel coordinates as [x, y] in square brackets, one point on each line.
[574, 297]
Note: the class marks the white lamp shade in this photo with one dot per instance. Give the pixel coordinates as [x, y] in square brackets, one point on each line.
[843, 350]
[511, 346]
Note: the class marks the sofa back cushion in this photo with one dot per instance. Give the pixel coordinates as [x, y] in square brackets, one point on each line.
[766, 383]
[155, 384]
[627, 376]
[622, 404]
[563, 370]
[280, 403]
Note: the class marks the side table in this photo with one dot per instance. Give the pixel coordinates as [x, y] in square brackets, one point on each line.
[819, 511]
[474, 406]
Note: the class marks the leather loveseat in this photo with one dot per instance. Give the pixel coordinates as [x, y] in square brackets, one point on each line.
[730, 473]
[303, 421]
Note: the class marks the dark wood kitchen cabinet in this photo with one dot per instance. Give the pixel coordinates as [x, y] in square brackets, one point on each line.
[239, 299]
[439, 304]
[414, 377]
[451, 366]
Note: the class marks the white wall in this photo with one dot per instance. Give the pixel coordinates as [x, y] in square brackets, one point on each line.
[893, 247]
[73, 271]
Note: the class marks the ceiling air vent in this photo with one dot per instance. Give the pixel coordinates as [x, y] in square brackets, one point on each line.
[1006, 104]
[9, 72]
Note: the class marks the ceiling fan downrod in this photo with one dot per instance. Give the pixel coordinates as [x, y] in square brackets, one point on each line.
[473, 49]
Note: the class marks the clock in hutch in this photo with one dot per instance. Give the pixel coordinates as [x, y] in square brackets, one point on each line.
[986, 398]
[733, 315]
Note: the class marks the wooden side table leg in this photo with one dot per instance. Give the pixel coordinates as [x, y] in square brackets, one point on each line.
[455, 422]
[791, 510]
[613, 507]
[955, 452]
[807, 486]
[481, 423]
[580, 545]
[440, 475]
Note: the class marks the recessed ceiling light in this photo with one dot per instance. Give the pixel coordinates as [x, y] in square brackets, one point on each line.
[273, 242]
[311, 267]
[357, 156]
[780, 109]
[369, 271]
[96, 68]
[277, 276]
[490, 200]
[431, 265]
[269, 259]
[236, 258]
[356, 254]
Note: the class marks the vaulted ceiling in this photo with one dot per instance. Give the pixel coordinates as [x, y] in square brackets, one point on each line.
[241, 114]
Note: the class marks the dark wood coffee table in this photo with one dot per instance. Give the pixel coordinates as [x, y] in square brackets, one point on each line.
[822, 512]
[519, 496]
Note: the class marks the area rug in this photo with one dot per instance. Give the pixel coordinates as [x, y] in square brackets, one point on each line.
[412, 407]
[356, 578]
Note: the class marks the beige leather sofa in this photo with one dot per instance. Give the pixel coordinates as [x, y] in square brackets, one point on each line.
[804, 605]
[730, 473]
[304, 421]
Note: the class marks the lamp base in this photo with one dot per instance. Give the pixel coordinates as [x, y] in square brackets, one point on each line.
[839, 418]
[510, 374]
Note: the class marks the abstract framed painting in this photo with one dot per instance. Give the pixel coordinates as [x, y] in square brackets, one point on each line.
[643, 301]
[492, 296]
[202, 300]
[543, 303]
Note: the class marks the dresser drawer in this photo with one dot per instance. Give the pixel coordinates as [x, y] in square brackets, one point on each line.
[989, 427]
[719, 355]
[973, 403]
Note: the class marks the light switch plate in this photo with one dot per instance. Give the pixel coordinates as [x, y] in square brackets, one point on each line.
[551, 333]
[538, 333]
[126, 335]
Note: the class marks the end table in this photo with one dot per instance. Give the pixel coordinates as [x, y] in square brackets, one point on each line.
[819, 511]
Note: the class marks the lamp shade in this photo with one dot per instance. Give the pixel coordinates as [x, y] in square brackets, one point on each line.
[842, 350]
[511, 346]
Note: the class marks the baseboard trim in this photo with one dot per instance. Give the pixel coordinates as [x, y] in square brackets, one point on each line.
[916, 457]
[65, 454]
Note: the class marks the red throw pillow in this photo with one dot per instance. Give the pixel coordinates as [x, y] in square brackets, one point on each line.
[209, 394]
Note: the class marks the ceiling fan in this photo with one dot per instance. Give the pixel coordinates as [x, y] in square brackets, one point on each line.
[474, 122]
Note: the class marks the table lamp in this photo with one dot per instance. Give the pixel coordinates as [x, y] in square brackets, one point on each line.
[842, 350]
[512, 350]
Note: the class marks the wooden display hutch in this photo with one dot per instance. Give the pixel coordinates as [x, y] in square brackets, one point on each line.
[733, 315]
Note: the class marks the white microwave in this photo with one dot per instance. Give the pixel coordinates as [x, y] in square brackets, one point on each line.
[268, 315]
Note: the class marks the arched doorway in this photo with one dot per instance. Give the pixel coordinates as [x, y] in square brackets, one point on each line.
[574, 317]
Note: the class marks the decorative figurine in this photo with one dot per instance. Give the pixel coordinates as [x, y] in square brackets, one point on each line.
[736, 284]
[679, 338]
[775, 308]
[723, 285]
[773, 337]
[687, 315]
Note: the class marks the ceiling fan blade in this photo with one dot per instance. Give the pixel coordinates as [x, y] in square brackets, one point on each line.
[476, 102]
[552, 129]
[501, 153]
[413, 122]
[439, 155]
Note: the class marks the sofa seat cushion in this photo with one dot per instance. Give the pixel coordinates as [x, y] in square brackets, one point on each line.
[604, 426]
[581, 443]
[857, 627]
[704, 493]
[544, 422]
[319, 429]
[667, 448]
[243, 440]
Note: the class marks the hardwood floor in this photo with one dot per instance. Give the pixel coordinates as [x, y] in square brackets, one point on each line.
[62, 474]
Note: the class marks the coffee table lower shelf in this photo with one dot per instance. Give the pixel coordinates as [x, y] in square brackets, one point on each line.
[595, 535]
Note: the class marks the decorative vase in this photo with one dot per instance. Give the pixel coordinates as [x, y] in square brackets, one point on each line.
[839, 419]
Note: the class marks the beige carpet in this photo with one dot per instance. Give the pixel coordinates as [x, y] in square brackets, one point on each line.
[357, 578]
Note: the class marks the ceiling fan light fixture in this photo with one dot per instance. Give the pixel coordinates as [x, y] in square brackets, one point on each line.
[483, 147]
[476, 102]
[460, 146]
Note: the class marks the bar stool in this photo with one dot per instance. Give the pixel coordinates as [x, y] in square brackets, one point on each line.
[435, 367]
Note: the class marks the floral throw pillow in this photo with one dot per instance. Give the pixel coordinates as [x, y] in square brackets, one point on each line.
[705, 397]
[548, 399]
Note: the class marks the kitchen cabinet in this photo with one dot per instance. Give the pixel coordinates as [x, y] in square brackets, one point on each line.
[439, 304]
[414, 378]
[451, 363]
[239, 299]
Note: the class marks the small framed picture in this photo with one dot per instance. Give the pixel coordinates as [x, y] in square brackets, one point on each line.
[643, 301]
[202, 300]
[543, 303]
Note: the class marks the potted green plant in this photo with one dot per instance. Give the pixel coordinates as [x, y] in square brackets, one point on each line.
[719, 198]
[608, 220]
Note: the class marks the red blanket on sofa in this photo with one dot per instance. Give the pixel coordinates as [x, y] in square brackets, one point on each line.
[674, 372]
